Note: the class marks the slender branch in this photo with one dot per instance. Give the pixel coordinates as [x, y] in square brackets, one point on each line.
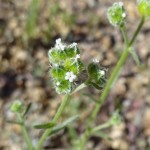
[25, 133]
[102, 99]
[55, 119]
[124, 34]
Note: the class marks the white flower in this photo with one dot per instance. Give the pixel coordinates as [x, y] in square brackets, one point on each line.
[70, 76]
[96, 61]
[120, 4]
[59, 45]
[57, 83]
[55, 65]
[124, 15]
[102, 72]
[76, 58]
[73, 45]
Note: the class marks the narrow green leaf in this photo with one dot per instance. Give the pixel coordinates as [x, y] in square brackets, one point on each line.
[27, 109]
[44, 126]
[14, 122]
[102, 135]
[90, 97]
[59, 127]
[134, 55]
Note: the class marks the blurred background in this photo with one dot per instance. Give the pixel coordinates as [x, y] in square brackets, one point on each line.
[29, 28]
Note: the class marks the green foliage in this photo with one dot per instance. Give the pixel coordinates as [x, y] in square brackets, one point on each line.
[61, 126]
[31, 21]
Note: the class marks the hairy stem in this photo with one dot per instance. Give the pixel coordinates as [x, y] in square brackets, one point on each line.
[55, 119]
[25, 133]
[116, 70]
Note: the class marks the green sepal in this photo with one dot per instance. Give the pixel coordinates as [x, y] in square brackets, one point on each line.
[71, 52]
[74, 66]
[44, 126]
[64, 87]
[56, 56]
[58, 73]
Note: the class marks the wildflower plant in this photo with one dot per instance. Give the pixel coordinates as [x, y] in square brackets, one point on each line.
[66, 69]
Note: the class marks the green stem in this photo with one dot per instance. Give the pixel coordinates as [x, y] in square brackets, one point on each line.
[55, 119]
[109, 84]
[124, 33]
[25, 133]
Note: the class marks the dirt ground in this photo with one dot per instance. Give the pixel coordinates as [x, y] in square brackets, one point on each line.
[24, 70]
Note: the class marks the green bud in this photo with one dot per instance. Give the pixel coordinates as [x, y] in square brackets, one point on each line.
[97, 76]
[93, 71]
[17, 106]
[144, 7]
[116, 14]
[115, 119]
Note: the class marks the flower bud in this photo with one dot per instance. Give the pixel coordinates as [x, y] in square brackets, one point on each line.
[96, 75]
[115, 119]
[17, 106]
[116, 14]
[144, 7]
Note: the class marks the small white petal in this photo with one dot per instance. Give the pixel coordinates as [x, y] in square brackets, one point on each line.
[59, 45]
[73, 45]
[78, 56]
[68, 74]
[66, 77]
[56, 65]
[73, 77]
[102, 72]
[58, 41]
[70, 80]
[96, 61]
[57, 83]
[120, 3]
[124, 15]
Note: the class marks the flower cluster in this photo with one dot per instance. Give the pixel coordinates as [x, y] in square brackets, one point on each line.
[144, 7]
[66, 66]
[116, 14]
